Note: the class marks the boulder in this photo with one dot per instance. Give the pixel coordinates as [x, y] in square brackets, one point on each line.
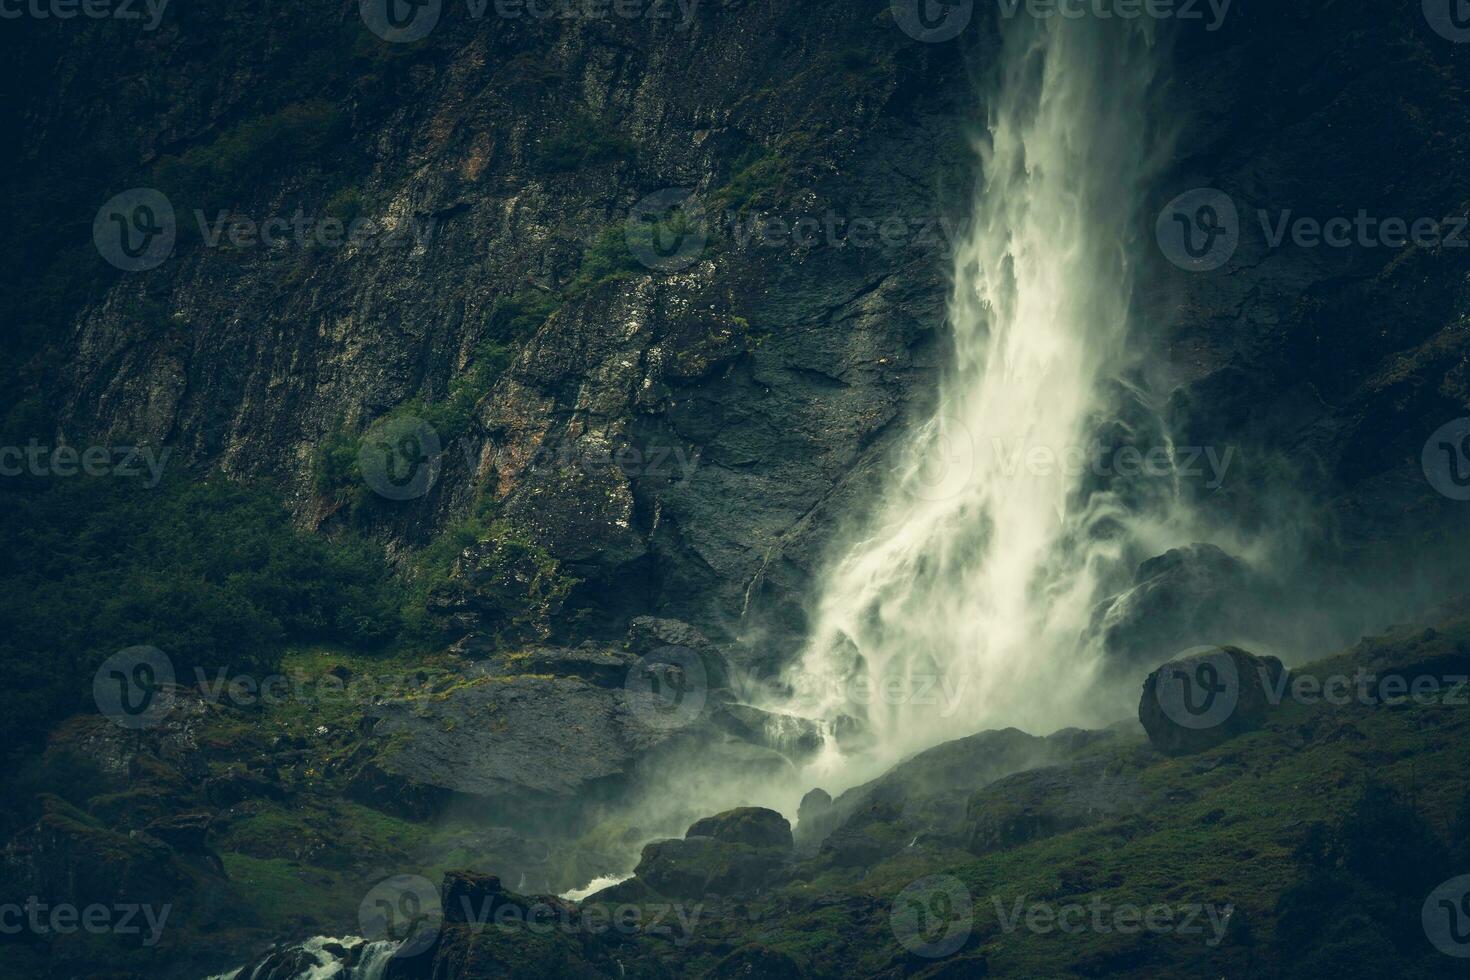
[1186, 597]
[1207, 698]
[751, 825]
[699, 867]
[467, 896]
[812, 812]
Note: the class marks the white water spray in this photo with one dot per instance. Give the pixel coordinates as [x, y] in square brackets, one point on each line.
[962, 605]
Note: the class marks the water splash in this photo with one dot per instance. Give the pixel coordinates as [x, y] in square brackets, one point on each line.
[961, 604]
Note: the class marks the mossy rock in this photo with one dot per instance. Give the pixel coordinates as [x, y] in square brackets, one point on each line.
[753, 825]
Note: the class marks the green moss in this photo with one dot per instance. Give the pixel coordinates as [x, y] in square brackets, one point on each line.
[248, 152]
[585, 142]
[759, 176]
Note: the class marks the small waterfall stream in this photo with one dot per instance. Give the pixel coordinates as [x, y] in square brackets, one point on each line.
[320, 958]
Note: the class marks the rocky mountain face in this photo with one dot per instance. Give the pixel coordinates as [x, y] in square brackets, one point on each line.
[656, 431]
[677, 434]
[685, 431]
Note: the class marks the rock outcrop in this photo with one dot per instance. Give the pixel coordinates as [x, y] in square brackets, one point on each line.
[1209, 697]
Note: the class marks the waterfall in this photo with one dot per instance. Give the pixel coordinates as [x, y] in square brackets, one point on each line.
[321, 958]
[961, 602]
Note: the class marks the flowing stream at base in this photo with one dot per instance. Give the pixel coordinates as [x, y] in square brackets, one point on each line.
[962, 602]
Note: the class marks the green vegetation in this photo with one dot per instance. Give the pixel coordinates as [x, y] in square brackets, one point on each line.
[587, 141]
[758, 176]
[249, 152]
[212, 573]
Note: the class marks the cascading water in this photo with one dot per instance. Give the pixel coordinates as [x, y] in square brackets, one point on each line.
[321, 958]
[962, 603]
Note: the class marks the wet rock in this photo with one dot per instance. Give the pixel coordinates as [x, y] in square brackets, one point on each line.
[1187, 597]
[812, 812]
[236, 785]
[698, 867]
[753, 825]
[67, 857]
[537, 743]
[1208, 698]
[648, 633]
[470, 896]
[502, 586]
[795, 738]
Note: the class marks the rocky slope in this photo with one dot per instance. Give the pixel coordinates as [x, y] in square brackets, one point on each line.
[685, 437]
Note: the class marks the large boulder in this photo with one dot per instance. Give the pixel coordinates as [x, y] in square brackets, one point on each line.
[734, 852]
[700, 867]
[1186, 597]
[753, 825]
[1208, 697]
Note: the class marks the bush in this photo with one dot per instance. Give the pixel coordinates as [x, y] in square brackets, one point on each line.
[212, 573]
